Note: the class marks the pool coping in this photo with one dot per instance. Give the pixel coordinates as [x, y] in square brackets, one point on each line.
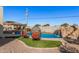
[56, 39]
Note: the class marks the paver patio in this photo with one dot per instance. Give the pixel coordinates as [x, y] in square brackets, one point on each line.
[16, 46]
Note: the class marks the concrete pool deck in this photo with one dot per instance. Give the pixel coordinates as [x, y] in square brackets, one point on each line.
[58, 39]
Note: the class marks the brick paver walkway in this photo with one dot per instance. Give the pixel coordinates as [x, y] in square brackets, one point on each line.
[16, 46]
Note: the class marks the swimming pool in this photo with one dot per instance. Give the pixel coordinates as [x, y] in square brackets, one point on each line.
[46, 35]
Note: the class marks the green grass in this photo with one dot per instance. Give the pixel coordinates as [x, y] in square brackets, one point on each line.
[40, 43]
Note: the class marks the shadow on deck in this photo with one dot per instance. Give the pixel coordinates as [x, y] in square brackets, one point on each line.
[4, 41]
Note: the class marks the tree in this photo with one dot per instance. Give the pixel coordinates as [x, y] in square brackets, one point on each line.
[65, 24]
[46, 25]
[37, 25]
[74, 26]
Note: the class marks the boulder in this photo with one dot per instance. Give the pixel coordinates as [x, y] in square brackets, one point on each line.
[70, 36]
[36, 33]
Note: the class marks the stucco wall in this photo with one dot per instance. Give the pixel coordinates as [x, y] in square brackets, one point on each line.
[1, 21]
[1, 15]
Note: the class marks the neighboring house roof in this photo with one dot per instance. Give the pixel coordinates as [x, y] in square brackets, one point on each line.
[14, 23]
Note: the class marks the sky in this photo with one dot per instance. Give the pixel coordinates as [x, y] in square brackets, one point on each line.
[53, 15]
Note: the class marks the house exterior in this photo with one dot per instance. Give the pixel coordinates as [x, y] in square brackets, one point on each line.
[11, 25]
[1, 15]
[1, 21]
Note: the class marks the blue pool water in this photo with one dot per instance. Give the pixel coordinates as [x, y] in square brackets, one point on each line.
[45, 35]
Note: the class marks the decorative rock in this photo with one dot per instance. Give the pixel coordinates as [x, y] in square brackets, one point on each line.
[36, 33]
[70, 36]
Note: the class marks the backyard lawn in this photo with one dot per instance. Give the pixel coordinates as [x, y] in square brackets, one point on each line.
[40, 43]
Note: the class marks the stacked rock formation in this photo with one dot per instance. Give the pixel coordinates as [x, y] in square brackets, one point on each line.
[65, 31]
[70, 40]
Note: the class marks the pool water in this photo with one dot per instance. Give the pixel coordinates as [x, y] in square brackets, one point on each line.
[45, 35]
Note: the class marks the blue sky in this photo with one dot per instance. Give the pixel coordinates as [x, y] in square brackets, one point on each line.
[42, 14]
